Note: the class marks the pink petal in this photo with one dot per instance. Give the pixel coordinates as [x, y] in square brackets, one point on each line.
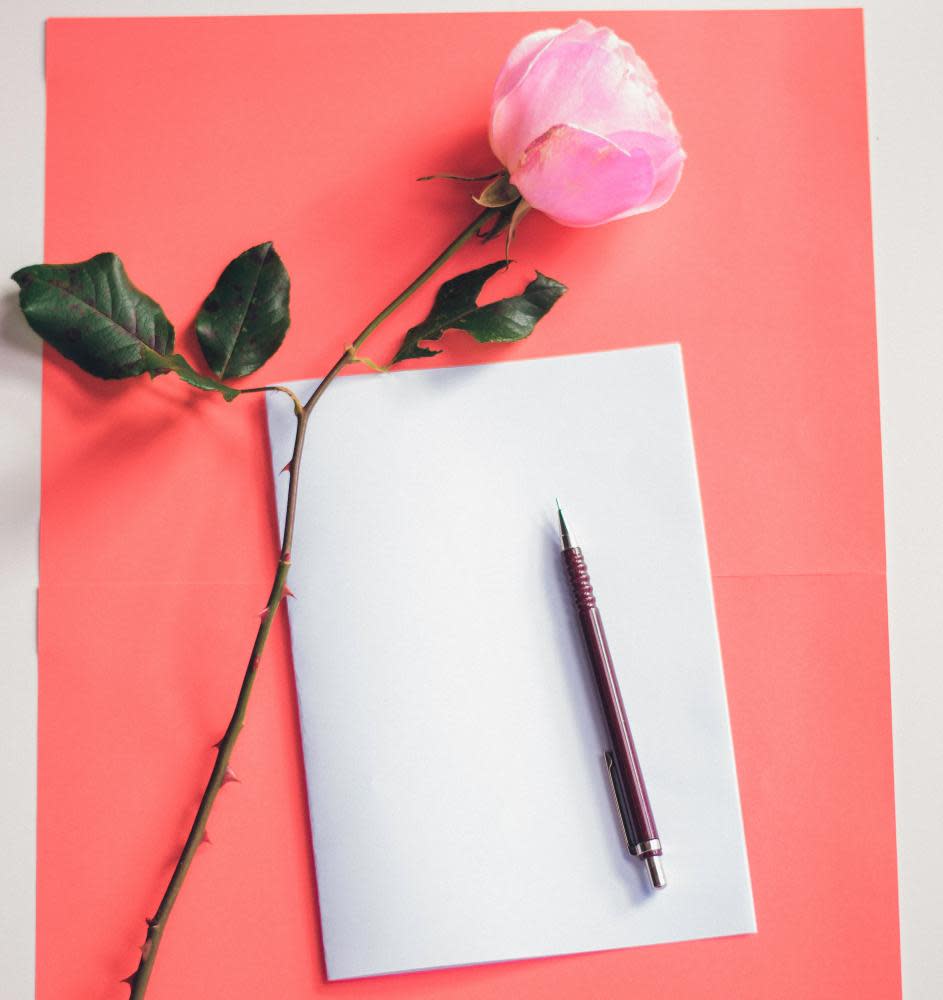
[579, 178]
[585, 77]
[659, 147]
[667, 160]
[518, 68]
[635, 60]
[666, 183]
[519, 59]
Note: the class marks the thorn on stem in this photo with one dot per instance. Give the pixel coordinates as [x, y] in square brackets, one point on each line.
[229, 776]
[264, 611]
[286, 467]
[288, 592]
[130, 979]
[205, 839]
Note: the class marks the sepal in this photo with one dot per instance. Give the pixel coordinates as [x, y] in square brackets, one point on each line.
[498, 193]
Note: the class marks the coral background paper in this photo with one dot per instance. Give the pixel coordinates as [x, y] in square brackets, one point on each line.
[178, 143]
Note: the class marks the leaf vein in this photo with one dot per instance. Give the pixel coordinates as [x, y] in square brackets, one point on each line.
[223, 373]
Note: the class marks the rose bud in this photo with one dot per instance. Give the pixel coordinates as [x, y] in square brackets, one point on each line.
[577, 120]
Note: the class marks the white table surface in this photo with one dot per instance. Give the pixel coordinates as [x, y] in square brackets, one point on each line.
[905, 87]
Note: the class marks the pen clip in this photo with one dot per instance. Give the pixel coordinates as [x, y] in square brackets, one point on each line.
[622, 808]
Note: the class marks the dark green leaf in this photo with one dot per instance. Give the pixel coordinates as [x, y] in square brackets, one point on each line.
[179, 364]
[515, 318]
[92, 314]
[244, 319]
[456, 298]
[456, 308]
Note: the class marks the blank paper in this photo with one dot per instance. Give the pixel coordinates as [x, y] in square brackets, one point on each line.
[453, 740]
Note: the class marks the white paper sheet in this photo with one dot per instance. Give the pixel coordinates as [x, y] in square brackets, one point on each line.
[452, 738]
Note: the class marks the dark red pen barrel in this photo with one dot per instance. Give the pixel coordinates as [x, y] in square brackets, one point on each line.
[617, 721]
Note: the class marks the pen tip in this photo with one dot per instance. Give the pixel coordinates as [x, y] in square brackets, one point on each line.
[567, 544]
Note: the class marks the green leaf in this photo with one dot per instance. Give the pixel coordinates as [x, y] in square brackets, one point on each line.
[178, 364]
[513, 319]
[455, 299]
[456, 308]
[243, 321]
[92, 315]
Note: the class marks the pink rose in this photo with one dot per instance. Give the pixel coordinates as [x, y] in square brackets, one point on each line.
[577, 119]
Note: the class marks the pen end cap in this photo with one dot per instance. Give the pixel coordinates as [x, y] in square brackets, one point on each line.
[656, 872]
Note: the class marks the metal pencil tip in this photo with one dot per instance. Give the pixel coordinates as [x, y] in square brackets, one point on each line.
[567, 543]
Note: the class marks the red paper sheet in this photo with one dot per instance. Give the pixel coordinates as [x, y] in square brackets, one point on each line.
[179, 142]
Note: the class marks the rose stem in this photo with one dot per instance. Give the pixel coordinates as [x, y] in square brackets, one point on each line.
[157, 924]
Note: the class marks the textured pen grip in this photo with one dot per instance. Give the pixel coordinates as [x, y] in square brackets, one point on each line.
[579, 579]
